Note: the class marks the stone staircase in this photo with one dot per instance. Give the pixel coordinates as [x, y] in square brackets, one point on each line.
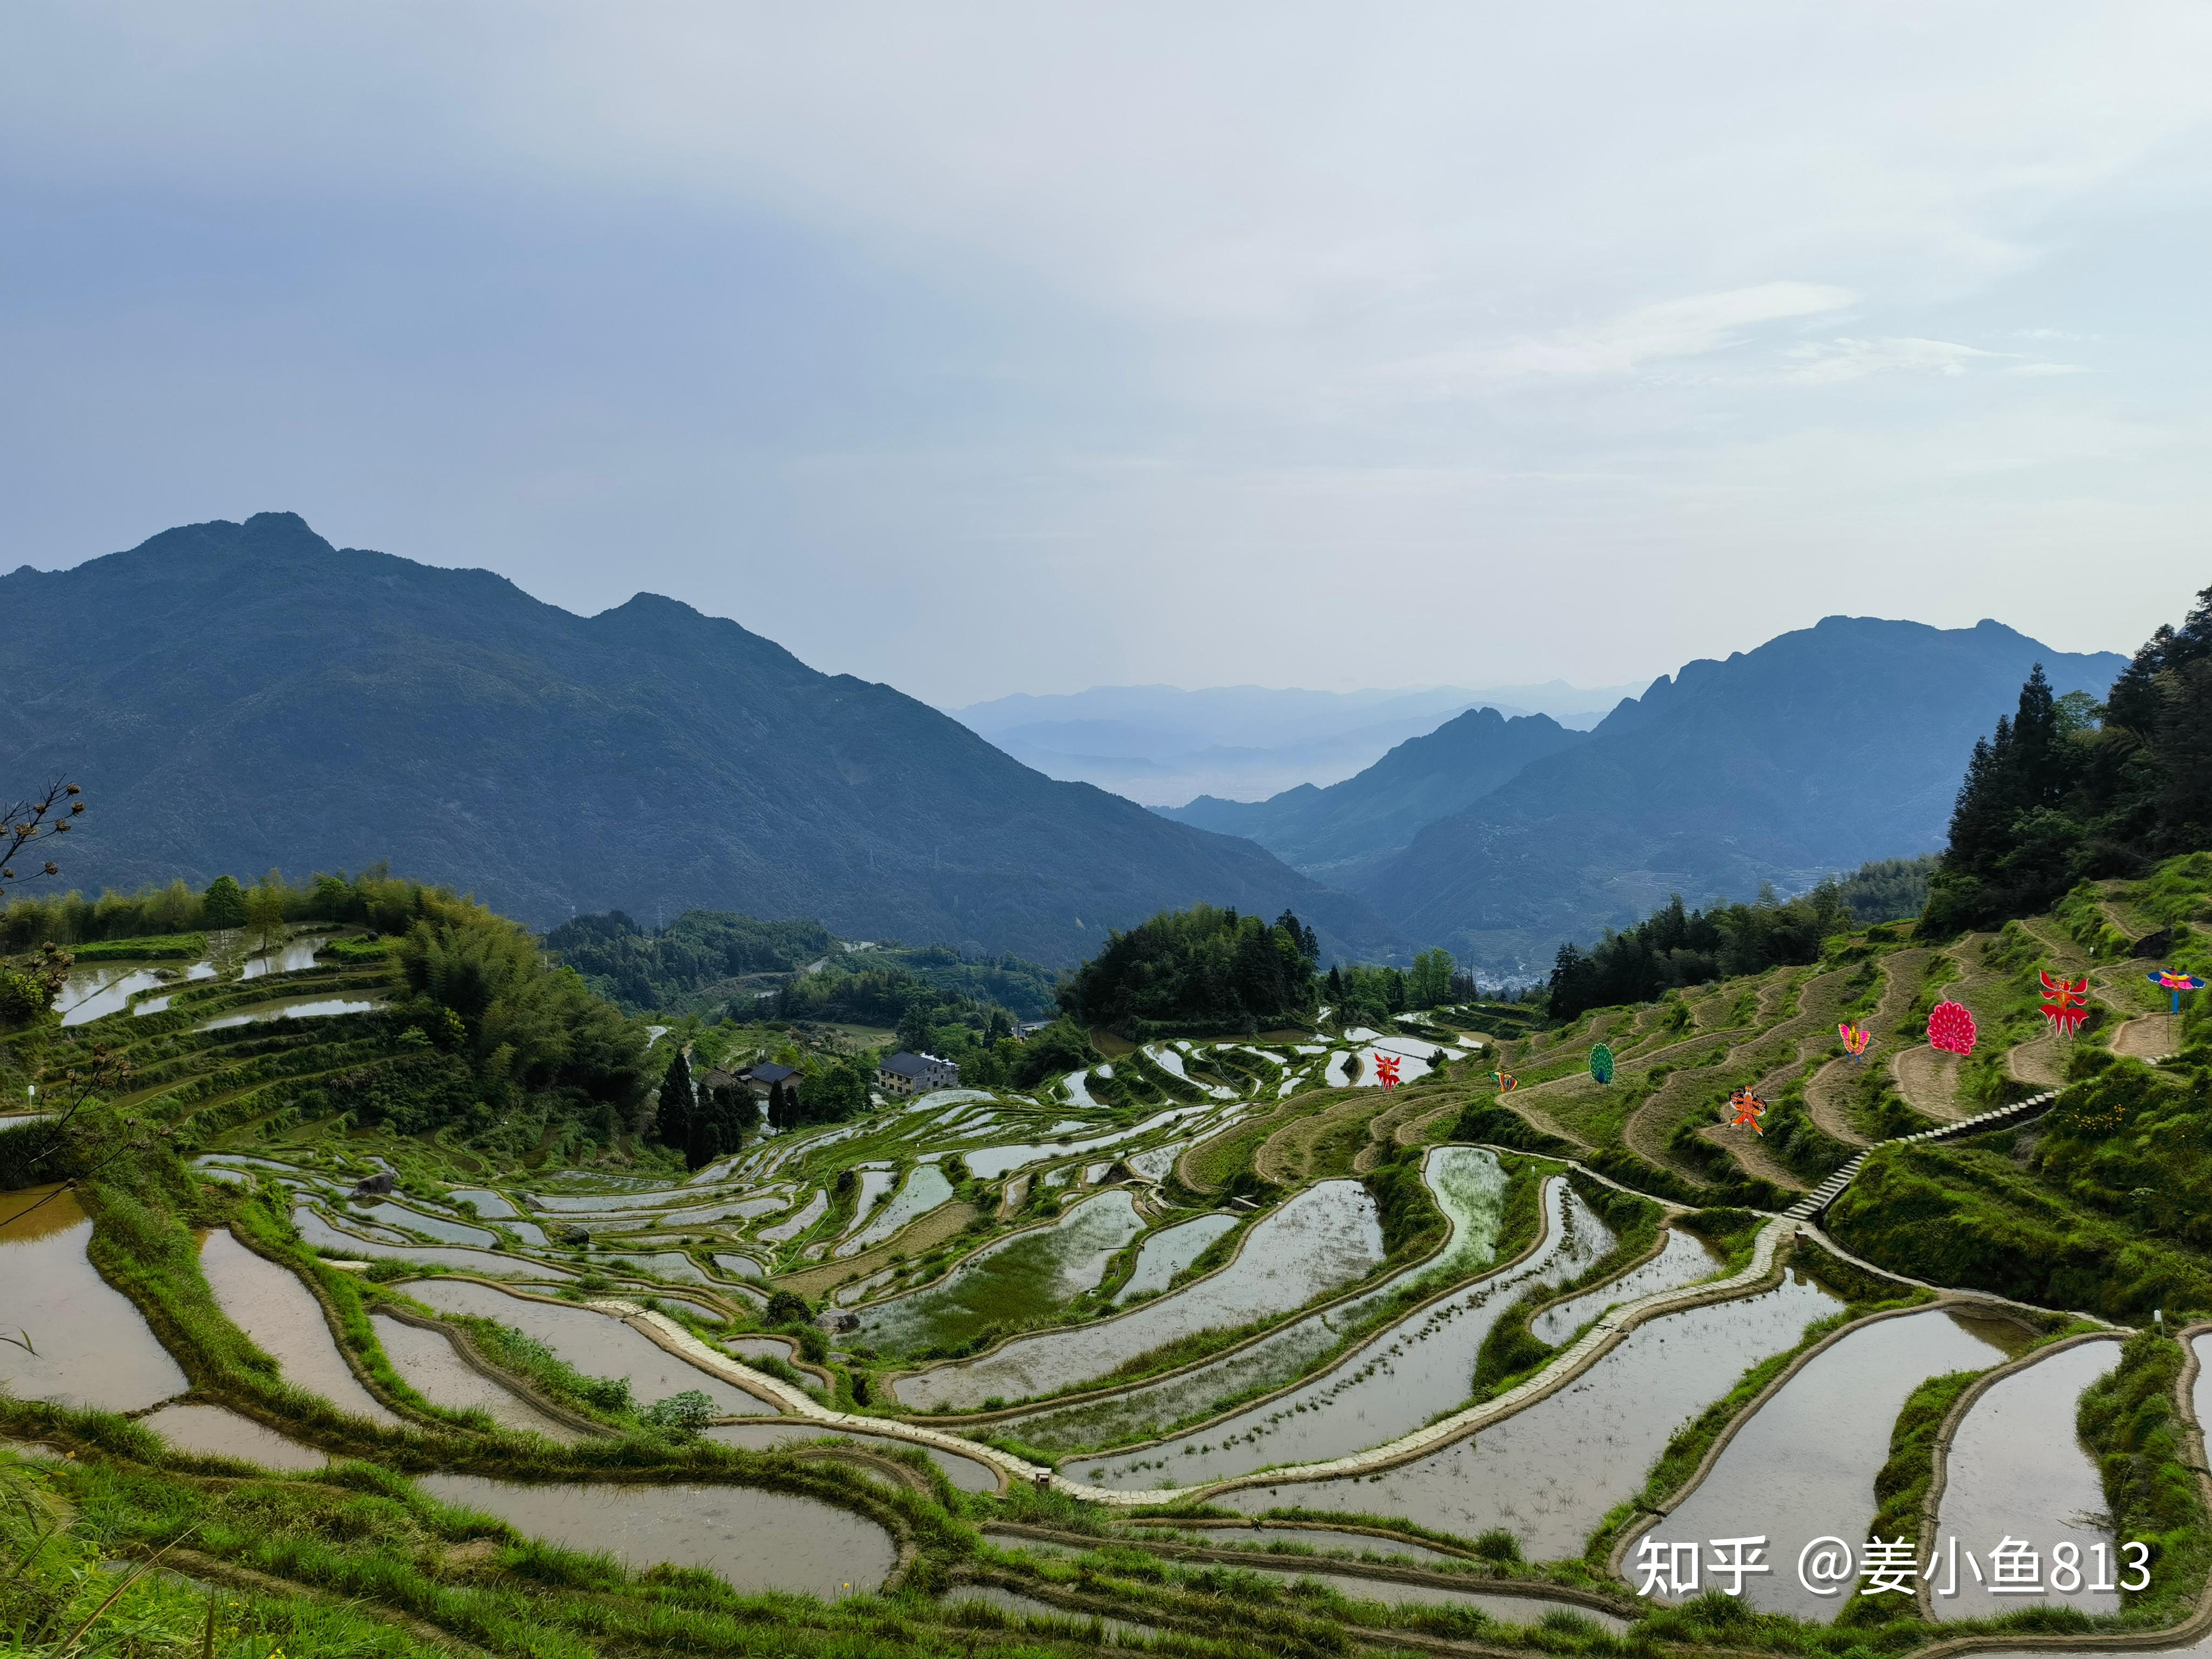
[1829, 1190]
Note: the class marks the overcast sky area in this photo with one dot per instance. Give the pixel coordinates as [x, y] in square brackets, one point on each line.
[992, 349]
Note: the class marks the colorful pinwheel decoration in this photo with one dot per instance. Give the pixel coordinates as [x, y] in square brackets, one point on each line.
[1749, 1108]
[2167, 980]
[1601, 1063]
[1951, 1027]
[1507, 1083]
[1855, 1038]
[1386, 1070]
[2065, 1002]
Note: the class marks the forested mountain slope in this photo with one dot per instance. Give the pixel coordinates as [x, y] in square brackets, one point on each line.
[234, 696]
[1819, 750]
[1331, 833]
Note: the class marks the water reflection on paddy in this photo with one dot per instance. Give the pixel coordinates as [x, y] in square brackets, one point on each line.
[596, 1344]
[320, 1233]
[1683, 1259]
[212, 1431]
[2017, 1469]
[1403, 1377]
[753, 1539]
[965, 1473]
[1327, 1237]
[434, 1370]
[93, 1349]
[1550, 1473]
[1168, 1251]
[1025, 1274]
[1804, 1466]
[281, 1315]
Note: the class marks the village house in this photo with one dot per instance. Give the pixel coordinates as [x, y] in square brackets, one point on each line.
[908, 1074]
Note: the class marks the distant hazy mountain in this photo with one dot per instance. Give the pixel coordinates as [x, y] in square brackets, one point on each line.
[233, 696]
[1817, 751]
[1162, 746]
[1335, 834]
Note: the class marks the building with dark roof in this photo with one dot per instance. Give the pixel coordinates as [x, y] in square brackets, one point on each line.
[908, 1073]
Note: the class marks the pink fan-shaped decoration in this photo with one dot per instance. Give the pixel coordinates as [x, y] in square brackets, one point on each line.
[1950, 1026]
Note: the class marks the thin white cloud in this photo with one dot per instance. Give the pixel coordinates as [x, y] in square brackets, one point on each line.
[1828, 361]
[1663, 330]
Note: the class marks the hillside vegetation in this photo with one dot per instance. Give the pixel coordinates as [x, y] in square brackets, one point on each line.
[2067, 788]
[322, 707]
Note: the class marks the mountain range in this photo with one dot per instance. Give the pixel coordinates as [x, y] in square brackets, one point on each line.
[233, 696]
[1821, 749]
[1337, 833]
[1161, 745]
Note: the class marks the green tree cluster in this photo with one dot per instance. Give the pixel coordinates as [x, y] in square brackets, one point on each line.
[2066, 789]
[703, 1123]
[646, 972]
[1676, 946]
[536, 1039]
[1202, 969]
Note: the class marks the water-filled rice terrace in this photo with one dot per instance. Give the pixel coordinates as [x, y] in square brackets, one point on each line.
[1217, 1346]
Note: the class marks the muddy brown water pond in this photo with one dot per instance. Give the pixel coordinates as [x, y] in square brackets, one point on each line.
[965, 1473]
[1400, 1378]
[1549, 1474]
[211, 1431]
[281, 1315]
[433, 1369]
[1803, 1466]
[753, 1539]
[596, 1344]
[93, 1349]
[2016, 1470]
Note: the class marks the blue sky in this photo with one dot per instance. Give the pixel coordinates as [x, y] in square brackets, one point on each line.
[983, 349]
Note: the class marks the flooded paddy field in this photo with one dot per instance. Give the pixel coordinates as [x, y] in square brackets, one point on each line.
[81, 1341]
[1326, 1238]
[1803, 1466]
[1025, 1277]
[596, 1344]
[1391, 1384]
[432, 1367]
[966, 1472]
[271, 1305]
[212, 1431]
[2016, 1468]
[1549, 1474]
[752, 1539]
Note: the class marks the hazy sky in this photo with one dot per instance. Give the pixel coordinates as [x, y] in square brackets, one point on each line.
[981, 348]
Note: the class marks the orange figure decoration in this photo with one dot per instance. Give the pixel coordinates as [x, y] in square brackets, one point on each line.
[2065, 1004]
[1950, 1027]
[1855, 1038]
[1386, 1070]
[1749, 1108]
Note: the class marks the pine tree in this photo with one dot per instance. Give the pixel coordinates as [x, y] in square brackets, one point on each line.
[672, 1116]
[1335, 990]
[225, 904]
